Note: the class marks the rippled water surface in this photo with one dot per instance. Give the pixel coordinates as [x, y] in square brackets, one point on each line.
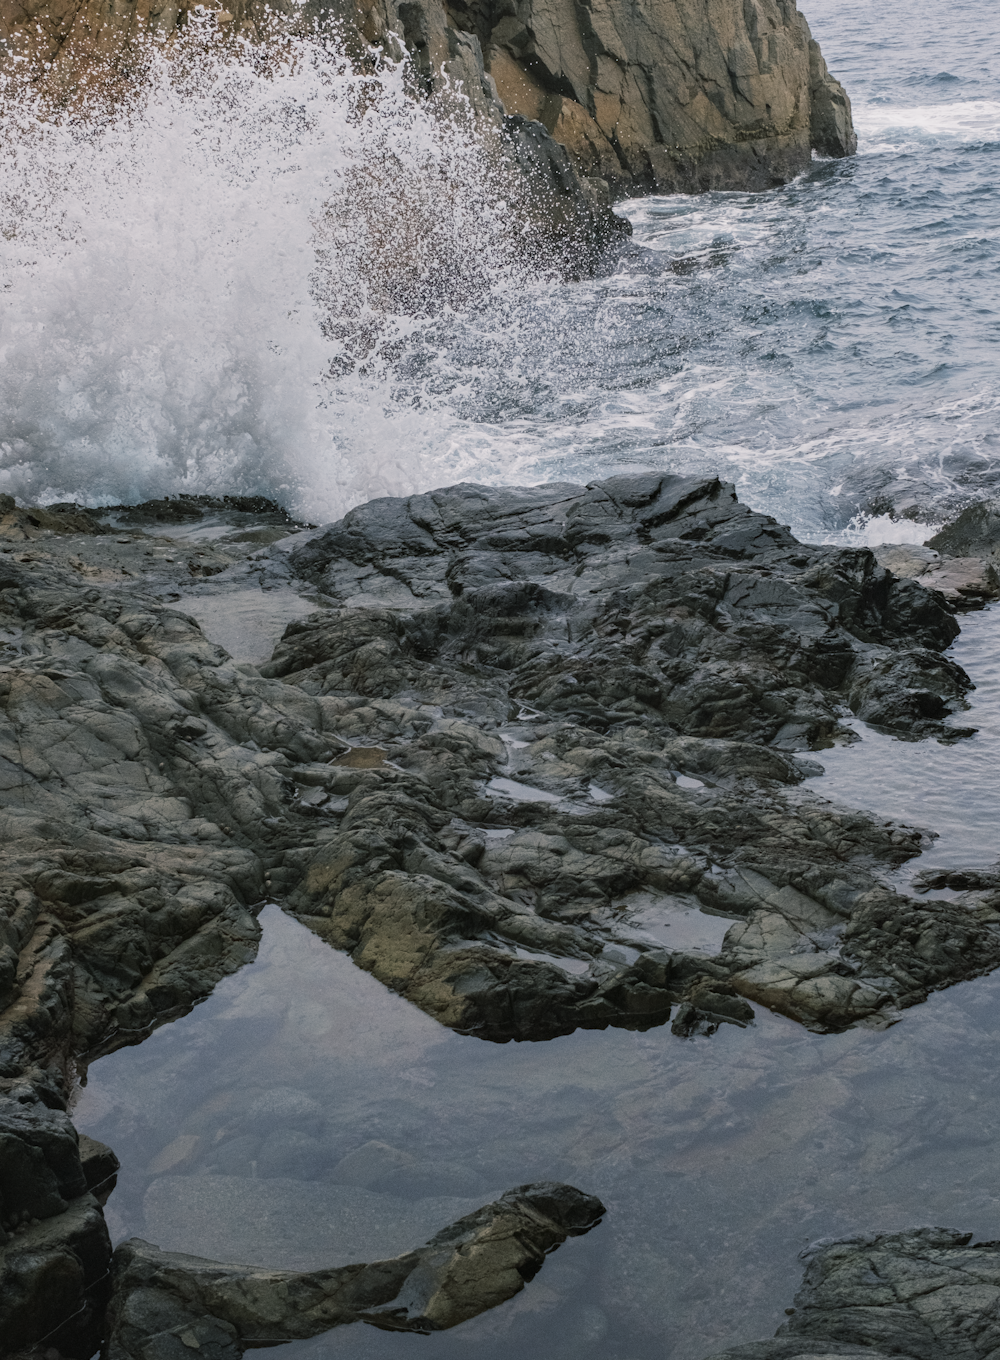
[822, 344]
[825, 344]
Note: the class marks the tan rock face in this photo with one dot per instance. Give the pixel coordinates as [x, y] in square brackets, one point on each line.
[669, 96]
[687, 95]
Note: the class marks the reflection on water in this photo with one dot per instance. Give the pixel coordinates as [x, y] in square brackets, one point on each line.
[305, 1116]
[303, 1113]
[950, 789]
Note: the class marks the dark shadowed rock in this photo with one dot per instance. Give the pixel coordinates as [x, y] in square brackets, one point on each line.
[54, 1245]
[165, 1304]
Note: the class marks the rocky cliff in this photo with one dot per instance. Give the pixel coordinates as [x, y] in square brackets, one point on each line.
[678, 96]
[674, 96]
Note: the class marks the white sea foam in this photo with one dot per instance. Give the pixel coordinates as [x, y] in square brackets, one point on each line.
[205, 290]
[252, 281]
[883, 127]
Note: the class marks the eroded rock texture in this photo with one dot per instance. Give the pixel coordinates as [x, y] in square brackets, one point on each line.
[923, 1294]
[590, 698]
[165, 1304]
[679, 95]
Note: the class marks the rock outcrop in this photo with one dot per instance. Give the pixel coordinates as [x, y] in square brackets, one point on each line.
[521, 735]
[165, 1304]
[923, 1294]
[968, 578]
[591, 100]
[641, 656]
[678, 96]
[54, 1246]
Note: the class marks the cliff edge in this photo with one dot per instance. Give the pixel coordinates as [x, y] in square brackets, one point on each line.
[608, 99]
[674, 96]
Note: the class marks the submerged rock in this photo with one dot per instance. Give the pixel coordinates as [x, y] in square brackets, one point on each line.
[923, 1294]
[165, 1304]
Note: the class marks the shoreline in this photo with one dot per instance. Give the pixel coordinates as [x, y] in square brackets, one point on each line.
[216, 730]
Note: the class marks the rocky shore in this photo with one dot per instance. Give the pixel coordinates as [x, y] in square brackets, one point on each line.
[509, 740]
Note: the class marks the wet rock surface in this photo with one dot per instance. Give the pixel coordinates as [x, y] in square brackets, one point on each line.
[923, 1294]
[968, 578]
[523, 738]
[54, 1246]
[585, 694]
[165, 1304]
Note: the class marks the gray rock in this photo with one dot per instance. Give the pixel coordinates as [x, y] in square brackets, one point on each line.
[618, 673]
[966, 582]
[923, 1294]
[974, 533]
[164, 1304]
[100, 1167]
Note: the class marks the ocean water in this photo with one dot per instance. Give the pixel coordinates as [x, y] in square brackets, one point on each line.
[202, 294]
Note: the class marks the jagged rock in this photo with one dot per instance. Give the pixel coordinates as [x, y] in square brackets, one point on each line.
[670, 97]
[975, 533]
[526, 728]
[923, 1294]
[100, 1167]
[613, 675]
[164, 1304]
[965, 582]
